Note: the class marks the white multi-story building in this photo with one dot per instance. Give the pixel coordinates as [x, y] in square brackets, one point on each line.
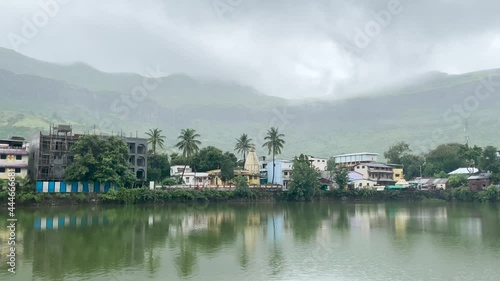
[319, 163]
[190, 177]
[356, 158]
[14, 157]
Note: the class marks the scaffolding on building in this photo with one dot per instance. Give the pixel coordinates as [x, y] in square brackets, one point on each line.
[54, 154]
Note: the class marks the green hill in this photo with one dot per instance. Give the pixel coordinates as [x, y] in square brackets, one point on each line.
[424, 113]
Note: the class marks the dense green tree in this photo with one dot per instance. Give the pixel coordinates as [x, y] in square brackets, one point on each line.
[208, 158]
[412, 165]
[396, 152]
[489, 161]
[241, 187]
[227, 169]
[155, 139]
[100, 160]
[274, 143]
[188, 144]
[176, 159]
[338, 173]
[158, 167]
[243, 146]
[304, 181]
[445, 157]
[470, 155]
[457, 180]
[441, 175]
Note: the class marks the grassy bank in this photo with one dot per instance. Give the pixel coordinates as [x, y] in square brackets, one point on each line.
[146, 196]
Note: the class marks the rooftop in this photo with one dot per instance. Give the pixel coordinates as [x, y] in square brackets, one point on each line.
[464, 171]
[359, 153]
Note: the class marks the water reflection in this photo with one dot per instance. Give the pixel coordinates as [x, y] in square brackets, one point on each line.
[260, 241]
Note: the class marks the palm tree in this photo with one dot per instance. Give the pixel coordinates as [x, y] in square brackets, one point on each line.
[274, 143]
[188, 144]
[155, 139]
[243, 146]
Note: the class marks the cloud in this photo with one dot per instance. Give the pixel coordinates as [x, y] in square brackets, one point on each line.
[284, 48]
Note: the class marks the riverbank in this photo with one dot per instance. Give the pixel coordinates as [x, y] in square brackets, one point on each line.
[146, 196]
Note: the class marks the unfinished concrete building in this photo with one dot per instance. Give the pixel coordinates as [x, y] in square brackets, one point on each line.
[53, 154]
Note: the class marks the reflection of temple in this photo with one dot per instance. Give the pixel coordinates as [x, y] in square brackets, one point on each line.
[252, 231]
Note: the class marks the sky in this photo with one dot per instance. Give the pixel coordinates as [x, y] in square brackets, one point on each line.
[287, 48]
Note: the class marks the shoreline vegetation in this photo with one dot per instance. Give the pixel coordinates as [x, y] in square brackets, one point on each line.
[145, 196]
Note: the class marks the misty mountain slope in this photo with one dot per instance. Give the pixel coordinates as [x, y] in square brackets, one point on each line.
[423, 113]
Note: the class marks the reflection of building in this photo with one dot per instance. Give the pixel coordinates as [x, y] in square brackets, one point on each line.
[13, 157]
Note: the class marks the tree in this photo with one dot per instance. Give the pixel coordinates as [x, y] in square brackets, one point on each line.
[188, 144]
[243, 146]
[441, 175]
[158, 167]
[304, 181]
[489, 161]
[396, 152]
[227, 169]
[241, 187]
[411, 165]
[446, 157]
[208, 158]
[470, 156]
[155, 139]
[456, 181]
[338, 173]
[101, 160]
[274, 143]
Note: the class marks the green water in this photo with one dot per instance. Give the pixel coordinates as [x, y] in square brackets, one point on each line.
[298, 241]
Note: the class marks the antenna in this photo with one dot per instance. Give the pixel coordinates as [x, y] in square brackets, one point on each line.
[466, 130]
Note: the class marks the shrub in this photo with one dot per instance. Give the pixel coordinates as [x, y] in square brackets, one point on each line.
[241, 187]
[462, 193]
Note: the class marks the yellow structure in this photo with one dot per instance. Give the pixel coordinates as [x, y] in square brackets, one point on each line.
[397, 173]
[215, 177]
[252, 167]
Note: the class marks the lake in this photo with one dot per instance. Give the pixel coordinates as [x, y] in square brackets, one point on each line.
[289, 241]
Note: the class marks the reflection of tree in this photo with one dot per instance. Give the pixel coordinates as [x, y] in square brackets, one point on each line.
[185, 260]
[276, 259]
[305, 219]
[342, 219]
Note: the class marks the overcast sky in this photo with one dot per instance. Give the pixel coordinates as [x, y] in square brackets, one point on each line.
[288, 48]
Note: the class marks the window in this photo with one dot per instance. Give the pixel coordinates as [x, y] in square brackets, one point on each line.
[285, 173]
[3, 156]
[2, 170]
[362, 167]
[396, 175]
[18, 170]
[19, 157]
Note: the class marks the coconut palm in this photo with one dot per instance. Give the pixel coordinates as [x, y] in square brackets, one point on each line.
[274, 143]
[155, 139]
[243, 146]
[188, 144]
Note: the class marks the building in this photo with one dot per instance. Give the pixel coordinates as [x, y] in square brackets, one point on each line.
[318, 163]
[362, 183]
[441, 183]
[215, 177]
[397, 171]
[283, 171]
[479, 181]
[464, 171]
[263, 169]
[252, 166]
[498, 153]
[356, 158]
[189, 177]
[381, 173]
[138, 156]
[14, 154]
[52, 154]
